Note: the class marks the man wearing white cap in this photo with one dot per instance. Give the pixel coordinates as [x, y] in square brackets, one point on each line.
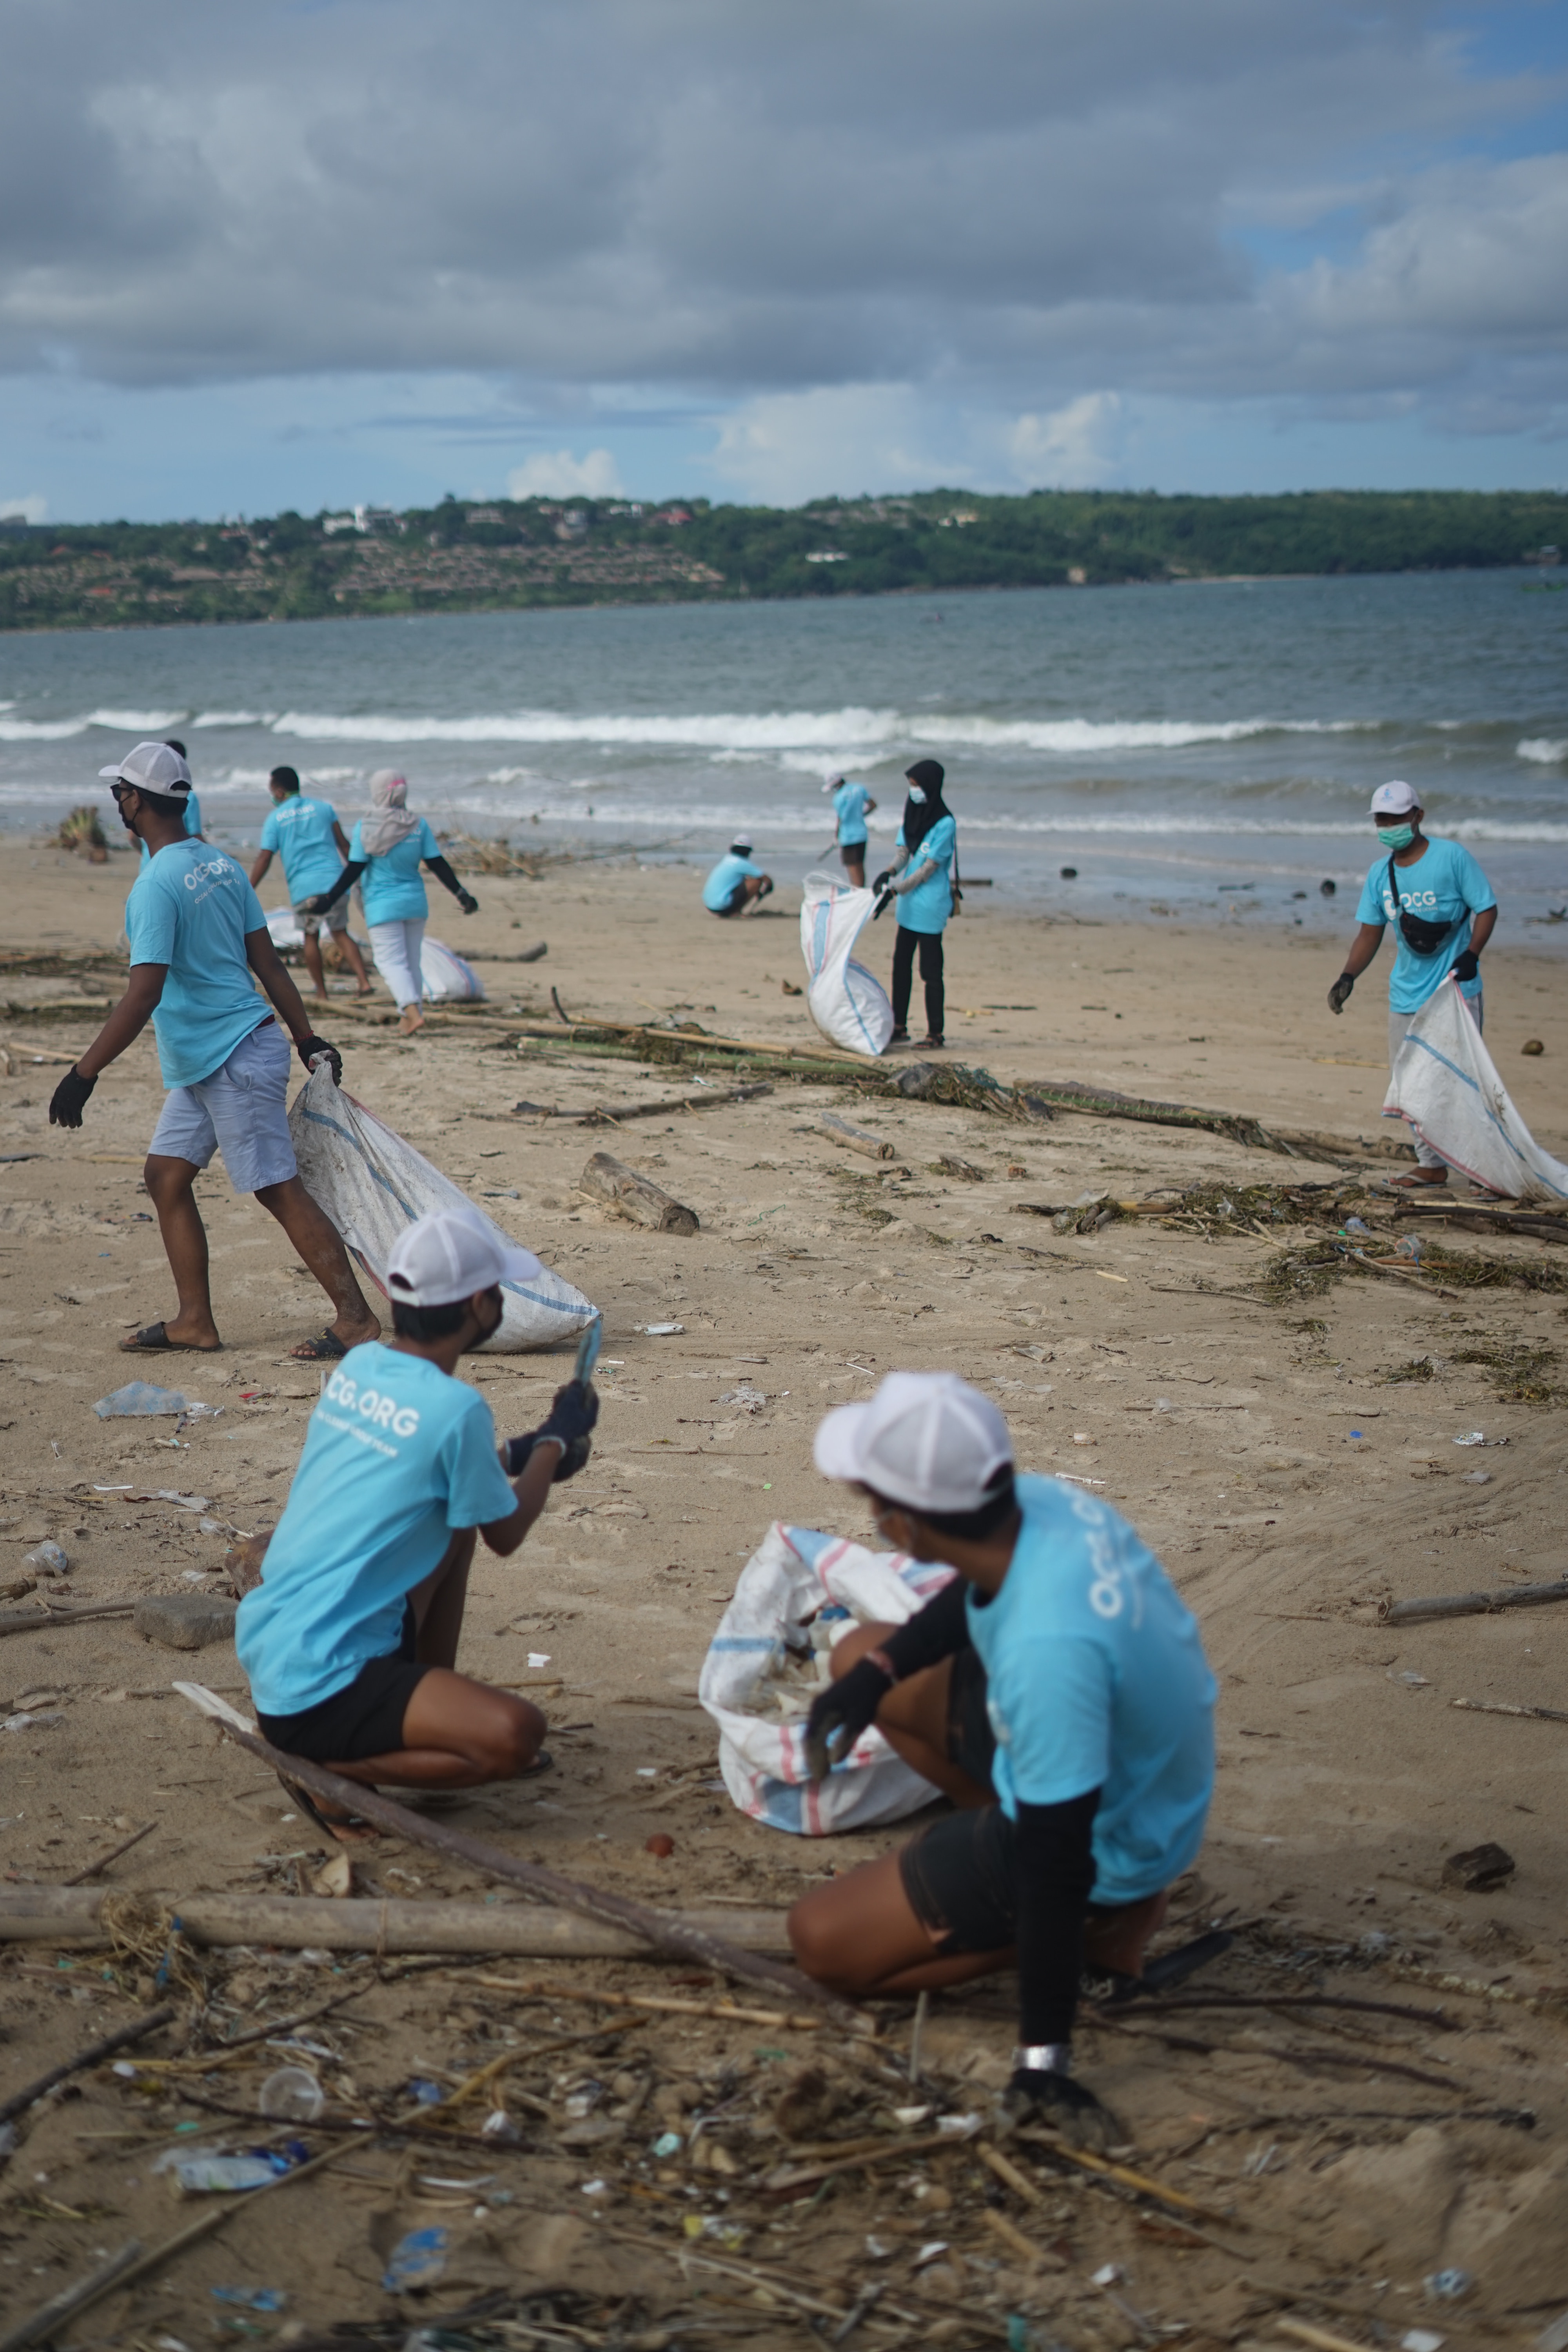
[351, 1637]
[199, 944]
[736, 886]
[1444, 910]
[1057, 1691]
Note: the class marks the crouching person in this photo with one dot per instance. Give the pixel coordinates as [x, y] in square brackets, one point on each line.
[1057, 1691]
[351, 1638]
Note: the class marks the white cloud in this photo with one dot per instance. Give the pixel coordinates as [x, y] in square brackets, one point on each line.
[1071, 449]
[30, 510]
[784, 447]
[557, 474]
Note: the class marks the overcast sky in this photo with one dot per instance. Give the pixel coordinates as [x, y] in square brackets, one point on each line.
[330, 250]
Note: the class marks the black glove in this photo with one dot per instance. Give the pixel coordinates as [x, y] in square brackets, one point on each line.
[1339, 996]
[881, 880]
[69, 1099]
[1032, 2095]
[311, 1048]
[841, 1712]
[469, 903]
[1464, 967]
[517, 1452]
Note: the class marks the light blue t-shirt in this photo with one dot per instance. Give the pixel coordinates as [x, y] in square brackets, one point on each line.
[300, 831]
[928, 906]
[1445, 886]
[391, 889]
[398, 1453]
[720, 887]
[849, 808]
[192, 824]
[190, 907]
[1096, 1678]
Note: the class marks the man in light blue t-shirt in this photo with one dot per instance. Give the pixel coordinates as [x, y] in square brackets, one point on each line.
[736, 886]
[306, 834]
[852, 804]
[1057, 1690]
[351, 1637]
[199, 944]
[1444, 911]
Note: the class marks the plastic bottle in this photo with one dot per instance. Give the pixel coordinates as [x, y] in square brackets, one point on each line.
[292, 2095]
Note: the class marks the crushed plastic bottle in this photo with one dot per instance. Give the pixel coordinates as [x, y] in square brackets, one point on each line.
[139, 1396]
[417, 2260]
[202, 2176]
[48, 1559]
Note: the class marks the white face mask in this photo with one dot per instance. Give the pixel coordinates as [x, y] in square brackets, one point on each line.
[917, 793]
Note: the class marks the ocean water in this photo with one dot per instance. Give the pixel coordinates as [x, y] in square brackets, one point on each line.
[1205, 746]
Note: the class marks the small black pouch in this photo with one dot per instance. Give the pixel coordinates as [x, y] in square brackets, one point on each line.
[1420, 936]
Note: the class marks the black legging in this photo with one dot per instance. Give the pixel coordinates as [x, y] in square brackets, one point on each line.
[930, 973]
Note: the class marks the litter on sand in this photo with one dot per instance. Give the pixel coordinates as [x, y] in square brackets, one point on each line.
[417, 2260]
[141, 1397]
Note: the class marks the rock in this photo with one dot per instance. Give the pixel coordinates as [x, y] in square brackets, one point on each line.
[1480, 1869]
[185, 1621]
[1532, 1046]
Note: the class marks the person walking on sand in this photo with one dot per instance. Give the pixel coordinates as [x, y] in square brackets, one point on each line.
[199, 943]
[852, 804]
[1057, 1691]
[918, 879]
[388, 848]
[306, 834]
[736, 886]
[1444, 910]
[351, 1638]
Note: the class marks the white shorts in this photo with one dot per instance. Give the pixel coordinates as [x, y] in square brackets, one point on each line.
[242, 1110]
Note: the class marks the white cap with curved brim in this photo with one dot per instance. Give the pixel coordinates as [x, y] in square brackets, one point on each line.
[927, 1440]
[153, 768]
[445, 1257]
[1394, 800]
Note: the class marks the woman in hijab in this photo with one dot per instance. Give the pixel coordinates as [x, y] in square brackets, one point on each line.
[920, 879]
[387, 849]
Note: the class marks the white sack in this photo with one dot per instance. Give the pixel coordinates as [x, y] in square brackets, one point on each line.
[847, 1001]
[1445, 1085]
[443, 972]
[794, 1575]
[372, 1184]
[284, 930]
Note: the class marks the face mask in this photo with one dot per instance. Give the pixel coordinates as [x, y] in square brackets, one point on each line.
[917, 794]
[1396, 836]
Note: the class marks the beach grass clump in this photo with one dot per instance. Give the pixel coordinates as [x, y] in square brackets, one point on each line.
[82, 829]
[1521, 1374]
[1472, 1270]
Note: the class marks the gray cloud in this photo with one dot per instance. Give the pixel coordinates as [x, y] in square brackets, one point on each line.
[1024, 200]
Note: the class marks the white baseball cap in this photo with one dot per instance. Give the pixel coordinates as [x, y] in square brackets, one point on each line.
[925, 1439]
[153, 768]
[833, 783]
[1394, 800]
[444, 1257]
[741, 845]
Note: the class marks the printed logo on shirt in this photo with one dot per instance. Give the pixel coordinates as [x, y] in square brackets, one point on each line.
[215, 870]
[378, 1411]
[1107, 1592]
[1414, 902]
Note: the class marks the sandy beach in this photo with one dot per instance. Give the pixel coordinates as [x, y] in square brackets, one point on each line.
[1295, 1466]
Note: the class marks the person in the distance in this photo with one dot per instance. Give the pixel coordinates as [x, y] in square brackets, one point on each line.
[351, 1638]
[852, 804]
[388, 848]
[736, 886]
[1057, 1690]
[920, 879]
[1444, 911]
[307, 835]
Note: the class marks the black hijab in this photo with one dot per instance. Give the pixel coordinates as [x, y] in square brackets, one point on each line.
[920, 815]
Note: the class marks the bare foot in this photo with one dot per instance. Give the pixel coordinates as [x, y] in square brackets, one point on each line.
[413, 1019]
[1416, 1179]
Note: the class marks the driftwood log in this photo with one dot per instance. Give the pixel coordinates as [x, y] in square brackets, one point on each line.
[1472, 1604]
[526, 1931]
[28, 1620]
[855, 1139]
[620, 1188]
[616, 1114]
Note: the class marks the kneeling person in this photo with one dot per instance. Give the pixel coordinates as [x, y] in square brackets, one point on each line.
[351, 1636]
[1057, 1691]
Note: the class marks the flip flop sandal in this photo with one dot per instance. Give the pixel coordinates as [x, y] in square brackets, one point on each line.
[324, 1348]
[154, 1340]
[1417, 1184]
[348, 1830]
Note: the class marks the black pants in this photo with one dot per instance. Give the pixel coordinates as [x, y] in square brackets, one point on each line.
[930, 973]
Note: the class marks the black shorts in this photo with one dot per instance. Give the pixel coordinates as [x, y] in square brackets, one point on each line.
[364, 1718]
[853, 852]
[737, 899]
[960, 1873]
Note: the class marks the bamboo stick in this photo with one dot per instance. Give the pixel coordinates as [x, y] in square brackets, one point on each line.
[538, 1988]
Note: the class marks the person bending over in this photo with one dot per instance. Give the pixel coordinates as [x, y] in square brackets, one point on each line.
[1057, 1690]
[852, 804]
[312, 845]
[385, 855]
[736, 886]
[351, 1638]
[199, 945]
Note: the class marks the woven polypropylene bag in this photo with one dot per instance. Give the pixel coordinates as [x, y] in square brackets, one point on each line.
[847, 1002]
